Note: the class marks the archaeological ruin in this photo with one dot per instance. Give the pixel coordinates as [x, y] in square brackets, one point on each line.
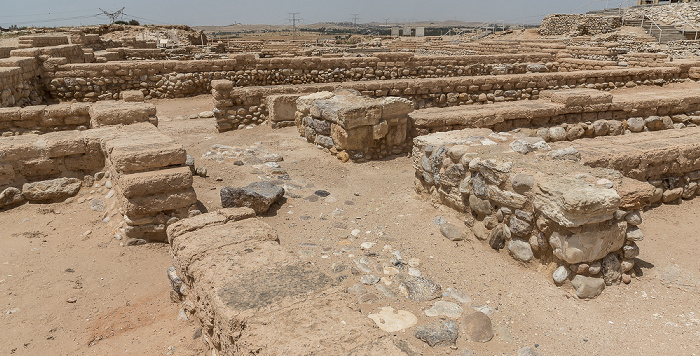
[548, 148]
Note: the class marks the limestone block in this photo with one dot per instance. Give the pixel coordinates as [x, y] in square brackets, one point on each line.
[40, 167]
[9, 114]
[380, 130]
[572, 202]
[394, 107]
[353, 139]
[116, 113]
[10, 196]
[7, 174]
[282, 107]
[592, 243]
[31, 113]
[160, 181]
[64, 143]
[348, 111]
[149, 205]
[143, 151]
[51, 190]
[89, 162]
[132, 96]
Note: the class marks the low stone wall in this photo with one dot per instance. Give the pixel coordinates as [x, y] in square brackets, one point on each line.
[5, 51]
[574, 64]
[238, 107]
[638, 59]
[570, 114]
[42, 41]
[76, 116]
[185, 78]
[578, 25]
[579, 220]
[19, 82]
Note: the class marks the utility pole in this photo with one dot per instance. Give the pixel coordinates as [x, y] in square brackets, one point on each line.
[355, 17]
[113, 15]
[294, 20]
[386, 22]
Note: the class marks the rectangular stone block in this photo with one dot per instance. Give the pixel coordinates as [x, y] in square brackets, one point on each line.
[89, 162]
[9, 114]
[282, 107]
[7, 174]
[153, 204]
[110, 113]
[148, 183]
[22, 147]
[64, 143]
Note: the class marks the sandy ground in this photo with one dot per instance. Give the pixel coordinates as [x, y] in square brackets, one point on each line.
[123, 307]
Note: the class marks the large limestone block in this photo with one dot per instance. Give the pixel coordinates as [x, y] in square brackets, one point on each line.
[351, 139]
[578, 97]
[148, 183]
[258, 196]
[394, 107]
[348, 111]
[242, 282]
[572, 202]
[592, 243]
[142, 151]
[305, 102]
[150, 205]
[120, 113]
[50, 190]
[282, 107]
[7, 174]
[10, 196]
[16, 148]
[64, 143]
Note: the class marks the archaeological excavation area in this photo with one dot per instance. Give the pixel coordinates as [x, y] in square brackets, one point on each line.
[522, 192]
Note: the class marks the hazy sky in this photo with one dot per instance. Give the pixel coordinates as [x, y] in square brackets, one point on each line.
[275, 12]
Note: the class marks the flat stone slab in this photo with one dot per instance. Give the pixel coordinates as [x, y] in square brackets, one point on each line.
[643, 156]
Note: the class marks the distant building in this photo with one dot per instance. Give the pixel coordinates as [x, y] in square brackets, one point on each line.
[653, 2]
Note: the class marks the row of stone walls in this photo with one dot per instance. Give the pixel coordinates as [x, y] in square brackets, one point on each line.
[42, 41]
[5, 51]
[238, 107]
[99, 81]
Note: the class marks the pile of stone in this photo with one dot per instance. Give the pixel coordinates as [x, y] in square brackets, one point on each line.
[578, 25]
[672, 14]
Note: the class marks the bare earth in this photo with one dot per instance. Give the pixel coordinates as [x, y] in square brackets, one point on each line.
[122, 306]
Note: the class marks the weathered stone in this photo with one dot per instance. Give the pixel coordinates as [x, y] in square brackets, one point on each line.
[569, 154]
[522, 183]
[480, 231]
[671, 195]
[259, 196]
[635, 124]
[519, 227]
[572, 202]
[560, 275]
[634, 233]
[452, 232]
[506, 198]
[443, 333]
[529, 144]
[49, 190]
[443, 308]
[592, 243]
[390, 321]
[480, 206]
[557, 133]
[528, 351]
[611, 269]
[477, 327]
[520, 250]
[588, 287]
[420, 289]
[497, 238]
[11, 196]
[493, 171]
[630, 250]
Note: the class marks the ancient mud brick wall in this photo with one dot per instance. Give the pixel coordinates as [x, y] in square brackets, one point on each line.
[537, 206]
[185, 78]
[577, 25]
[355, 127]
[42, 41]
[235, 108]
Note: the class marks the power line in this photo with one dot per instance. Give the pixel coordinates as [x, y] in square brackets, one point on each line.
[114, 15]
[355, 17]
[294, 20]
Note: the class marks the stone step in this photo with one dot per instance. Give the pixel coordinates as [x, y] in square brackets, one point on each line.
[646, 156]
[139, 149]
[154, 182]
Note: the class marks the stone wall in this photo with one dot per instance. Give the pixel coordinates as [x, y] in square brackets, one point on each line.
[19, 82]
[543, 206]
[76, 116]
[577, 25]
[5, 51]
[42, 41]
[185, 78]
[236, 108]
